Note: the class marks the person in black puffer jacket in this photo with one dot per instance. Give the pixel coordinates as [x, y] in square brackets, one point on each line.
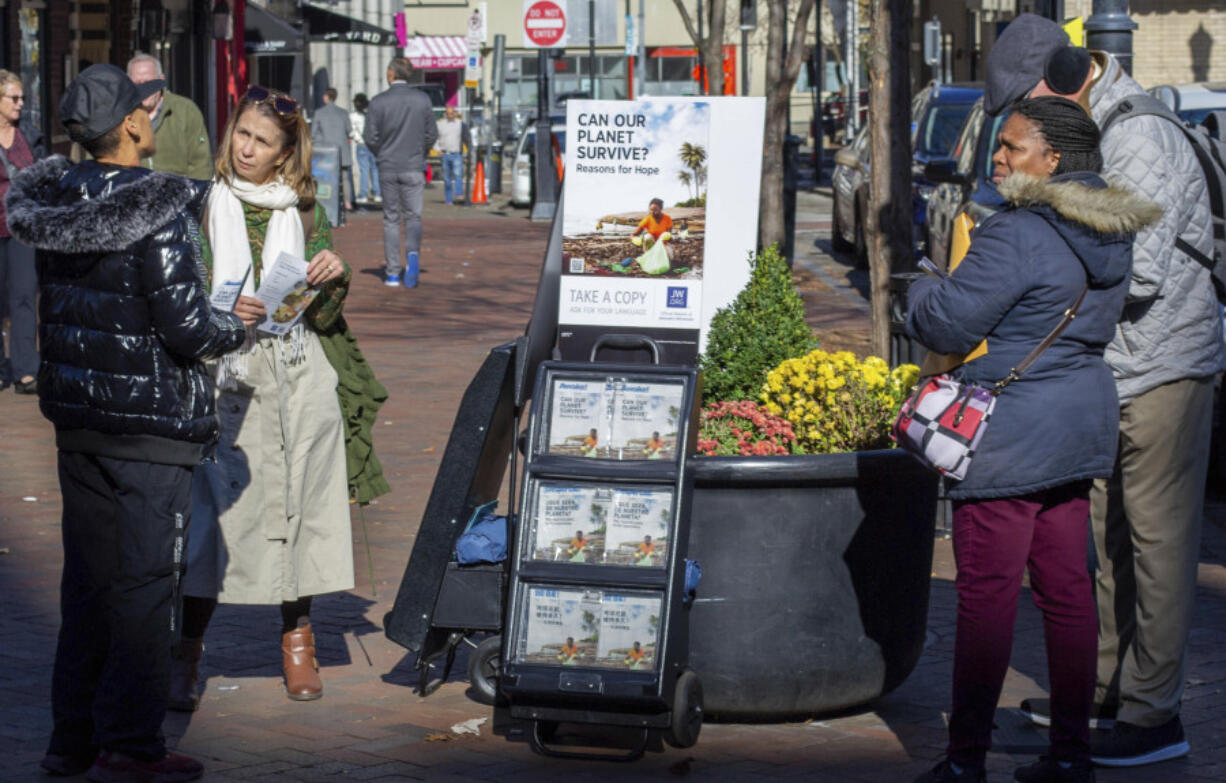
[125, 325]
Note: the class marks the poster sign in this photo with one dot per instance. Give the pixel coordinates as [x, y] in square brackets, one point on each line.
[472, 69]
[659, 217]
[476, 35]
[544, 23]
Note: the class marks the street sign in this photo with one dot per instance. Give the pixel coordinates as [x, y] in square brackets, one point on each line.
[476, 35]
[932, 42]
[544, 23]
[631, 45]
[472, 69]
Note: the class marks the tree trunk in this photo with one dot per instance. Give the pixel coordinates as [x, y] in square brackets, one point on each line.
[889, 218]
[710, 49]
[780, 78]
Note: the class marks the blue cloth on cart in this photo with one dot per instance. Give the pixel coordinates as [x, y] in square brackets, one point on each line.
[693, 575]
[485, 539]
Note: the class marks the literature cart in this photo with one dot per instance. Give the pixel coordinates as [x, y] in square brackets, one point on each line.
[596, 628]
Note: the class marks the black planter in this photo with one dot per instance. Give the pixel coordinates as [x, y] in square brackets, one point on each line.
[815, 580]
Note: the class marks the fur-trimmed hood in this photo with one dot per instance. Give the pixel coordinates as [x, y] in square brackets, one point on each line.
[1091, 215]
[95, 207]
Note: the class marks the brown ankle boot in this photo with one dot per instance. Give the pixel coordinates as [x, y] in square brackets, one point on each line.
[184, 675]
[302, 681]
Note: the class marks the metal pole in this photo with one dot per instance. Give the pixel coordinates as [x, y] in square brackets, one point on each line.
[702, 60]
[1109, 29]
[783, 66]
[544, 203]
[819, 71]
[641, 34]
[744, 62]
[591, 48]
[853, 66]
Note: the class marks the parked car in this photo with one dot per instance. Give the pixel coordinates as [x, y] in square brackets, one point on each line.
[834, 113]
[1192, 102]
[963, 181]
[849, 184]
[523, 169]
[937, 112]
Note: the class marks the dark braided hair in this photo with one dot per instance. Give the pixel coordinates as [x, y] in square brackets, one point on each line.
[1067, 129]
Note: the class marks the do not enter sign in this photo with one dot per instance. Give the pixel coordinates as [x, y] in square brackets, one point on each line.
[544, 23]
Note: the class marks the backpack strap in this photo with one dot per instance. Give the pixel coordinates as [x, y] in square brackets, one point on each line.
[1136, 106]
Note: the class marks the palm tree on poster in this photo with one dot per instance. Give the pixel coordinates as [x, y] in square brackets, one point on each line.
[694, 157]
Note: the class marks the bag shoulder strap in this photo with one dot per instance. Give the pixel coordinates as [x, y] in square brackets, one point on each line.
[1051, 337]
[1136, 106]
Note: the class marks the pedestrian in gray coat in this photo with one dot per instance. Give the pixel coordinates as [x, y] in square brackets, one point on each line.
[1166, 351]
[400, 131]
[330, 127]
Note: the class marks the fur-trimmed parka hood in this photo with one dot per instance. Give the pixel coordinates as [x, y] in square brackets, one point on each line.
[1084, 209]
[95, 207]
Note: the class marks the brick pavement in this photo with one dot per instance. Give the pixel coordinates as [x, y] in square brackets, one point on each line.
[479, 272]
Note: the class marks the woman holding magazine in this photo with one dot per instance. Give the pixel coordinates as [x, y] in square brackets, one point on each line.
[270, 517]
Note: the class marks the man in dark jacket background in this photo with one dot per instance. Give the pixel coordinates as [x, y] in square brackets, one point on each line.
[125, 323]
[400, 130]
[330, 126]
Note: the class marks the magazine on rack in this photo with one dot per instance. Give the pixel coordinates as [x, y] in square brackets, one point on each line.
[629, 630]
[570, 523]
[561, 626]
[614, 419]
[638, 527]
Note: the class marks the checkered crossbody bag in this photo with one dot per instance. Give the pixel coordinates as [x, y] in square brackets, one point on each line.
[944, 419]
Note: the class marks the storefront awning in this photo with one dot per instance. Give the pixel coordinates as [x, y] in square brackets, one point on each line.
[436, 52]
[266, 33]
[324, 25]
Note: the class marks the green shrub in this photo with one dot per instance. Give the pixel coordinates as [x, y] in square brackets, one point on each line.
[762, 327]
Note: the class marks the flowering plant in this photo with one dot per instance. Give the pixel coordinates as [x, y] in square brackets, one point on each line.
[836, 403]
[743, 428]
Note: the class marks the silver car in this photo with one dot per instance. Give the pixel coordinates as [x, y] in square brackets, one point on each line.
[850, 185]
[522, 163]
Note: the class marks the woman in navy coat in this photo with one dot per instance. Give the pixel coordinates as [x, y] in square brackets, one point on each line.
[1025, 499]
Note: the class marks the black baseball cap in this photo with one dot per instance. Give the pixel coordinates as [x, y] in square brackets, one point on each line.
[1016, 62]
[100, 97]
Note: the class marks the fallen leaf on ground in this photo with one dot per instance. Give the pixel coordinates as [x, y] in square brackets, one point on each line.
[439, 736]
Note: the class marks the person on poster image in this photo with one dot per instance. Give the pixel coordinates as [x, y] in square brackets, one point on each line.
[635, 657]
[590, 444]
[645, 552]
[18, 280]
[569, 652]
[272, 509]
[453, 140]
[1167, 350]
[400, 131]
[183, 143]
[330, 126]
[577, 551]
[368, 169]
[653, 446]
[655, 224]
[126, 325]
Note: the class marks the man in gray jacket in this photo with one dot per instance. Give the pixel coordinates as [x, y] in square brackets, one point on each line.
[330, 127]
[400, 130]
[1167, 349]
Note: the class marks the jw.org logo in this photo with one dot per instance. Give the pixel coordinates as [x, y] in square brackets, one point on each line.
[677, 296]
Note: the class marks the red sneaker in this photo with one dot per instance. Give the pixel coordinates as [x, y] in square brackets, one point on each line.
[114, 767]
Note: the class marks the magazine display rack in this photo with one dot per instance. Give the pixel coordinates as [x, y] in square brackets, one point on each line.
[596, 627]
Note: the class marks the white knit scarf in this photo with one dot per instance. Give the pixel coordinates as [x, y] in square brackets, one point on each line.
[227, 232]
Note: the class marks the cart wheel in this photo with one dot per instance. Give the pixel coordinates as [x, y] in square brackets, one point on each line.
[484, 666]
[687, 712]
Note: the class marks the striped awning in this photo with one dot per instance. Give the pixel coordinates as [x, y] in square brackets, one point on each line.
[437, 51]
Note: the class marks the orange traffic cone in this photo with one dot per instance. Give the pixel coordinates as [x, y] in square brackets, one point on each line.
[479, 184]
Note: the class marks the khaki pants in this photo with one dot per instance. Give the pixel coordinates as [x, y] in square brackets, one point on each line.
[1147, 522]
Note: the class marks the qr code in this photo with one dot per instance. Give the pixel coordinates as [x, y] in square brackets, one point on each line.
[576, 266]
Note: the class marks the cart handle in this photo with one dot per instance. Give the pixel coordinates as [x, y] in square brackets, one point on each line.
[626, 342]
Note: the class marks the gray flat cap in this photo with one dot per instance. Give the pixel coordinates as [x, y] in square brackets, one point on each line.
[1017, 60]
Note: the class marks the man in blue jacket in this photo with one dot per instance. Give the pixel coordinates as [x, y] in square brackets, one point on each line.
[124, 325]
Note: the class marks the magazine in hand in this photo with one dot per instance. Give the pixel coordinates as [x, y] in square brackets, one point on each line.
[285, 293]
[227, 293]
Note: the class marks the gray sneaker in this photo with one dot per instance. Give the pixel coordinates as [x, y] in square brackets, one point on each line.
[1129, 745]
[1038, 712]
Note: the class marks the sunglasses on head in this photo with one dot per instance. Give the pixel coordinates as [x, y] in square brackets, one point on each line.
[281, 103]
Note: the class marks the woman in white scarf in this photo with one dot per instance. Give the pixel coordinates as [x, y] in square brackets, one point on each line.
[270, 518]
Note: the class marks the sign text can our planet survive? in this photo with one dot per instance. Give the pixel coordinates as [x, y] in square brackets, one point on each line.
[605, 137]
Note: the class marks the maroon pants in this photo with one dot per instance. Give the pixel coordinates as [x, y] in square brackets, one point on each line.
[993, 541]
